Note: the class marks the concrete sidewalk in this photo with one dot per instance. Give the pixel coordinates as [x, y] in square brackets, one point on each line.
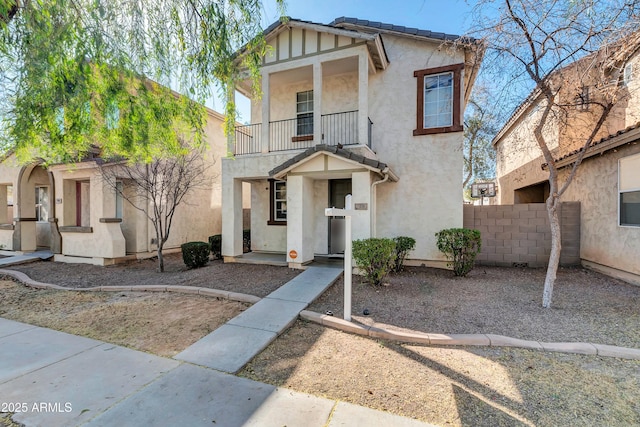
[235, 343]
[27, 257]
[55, 379]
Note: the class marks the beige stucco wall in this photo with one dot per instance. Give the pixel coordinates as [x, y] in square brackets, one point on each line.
[253, 169]
[632, 103]
[518, 157]
[199, 215]
[196, 218]
[603, 241]
[428, 197]
[264, 237]
[9, 172]
[338, 94]
[518, 147]
[105, 240]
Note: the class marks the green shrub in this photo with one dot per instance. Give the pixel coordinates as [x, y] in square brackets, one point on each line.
[215, 244]
[375, 257]
[404, 245]
[461, 245]
[195, 254]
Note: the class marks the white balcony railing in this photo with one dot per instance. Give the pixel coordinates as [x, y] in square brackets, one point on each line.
[293, 134]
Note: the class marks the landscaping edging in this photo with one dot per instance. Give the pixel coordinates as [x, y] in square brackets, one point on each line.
[489, 340]
[228, 295]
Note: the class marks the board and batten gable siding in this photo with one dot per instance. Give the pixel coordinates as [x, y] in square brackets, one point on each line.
[294, 43]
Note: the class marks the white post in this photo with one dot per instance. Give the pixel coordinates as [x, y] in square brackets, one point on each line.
[347, 259]
[346, 212]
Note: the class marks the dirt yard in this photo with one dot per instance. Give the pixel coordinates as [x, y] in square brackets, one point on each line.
[445, 386]
[159, 323]
[258, 280]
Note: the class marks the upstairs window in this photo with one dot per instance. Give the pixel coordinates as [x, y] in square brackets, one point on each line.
[304, 113]
[438, 108]
[438, 100]
[582, 99]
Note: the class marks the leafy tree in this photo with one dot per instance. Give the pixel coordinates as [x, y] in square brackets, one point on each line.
[69, 69]
[535, 44]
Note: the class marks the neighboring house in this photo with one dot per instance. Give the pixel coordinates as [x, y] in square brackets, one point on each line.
[73, 211]
[607, 183]
[352, 107]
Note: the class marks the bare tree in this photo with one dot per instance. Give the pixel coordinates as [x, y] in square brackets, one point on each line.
[158, 188]
[559, 47]
[479, 128]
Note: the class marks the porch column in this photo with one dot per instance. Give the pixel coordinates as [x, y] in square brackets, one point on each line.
[107, 240]
[231, 217]
[363, 98]
[300, 220]
[266, 102]
[317, 103]
[361, 199]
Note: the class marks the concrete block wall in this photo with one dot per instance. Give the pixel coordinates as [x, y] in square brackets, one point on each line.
[519, 235]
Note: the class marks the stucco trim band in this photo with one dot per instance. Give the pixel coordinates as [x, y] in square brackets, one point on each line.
[110, 220]
[75, 229]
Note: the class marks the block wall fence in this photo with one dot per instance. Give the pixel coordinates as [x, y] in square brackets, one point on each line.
[519, 235]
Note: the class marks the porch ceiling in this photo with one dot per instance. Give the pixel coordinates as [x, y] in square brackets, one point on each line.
[345, 156]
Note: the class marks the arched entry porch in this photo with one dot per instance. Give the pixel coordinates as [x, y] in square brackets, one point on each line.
[35, 223]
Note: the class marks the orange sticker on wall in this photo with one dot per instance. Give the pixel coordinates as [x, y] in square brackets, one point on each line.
[293, 254]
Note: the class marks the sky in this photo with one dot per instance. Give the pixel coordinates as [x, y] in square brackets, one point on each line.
[446, 16]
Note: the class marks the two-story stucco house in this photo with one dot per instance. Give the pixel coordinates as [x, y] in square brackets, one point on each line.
[73, 211]
[607, 183]
[351, 107]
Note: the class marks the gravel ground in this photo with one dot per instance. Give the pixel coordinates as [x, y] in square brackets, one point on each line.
[460, 386]
[587, 306]
[454, 386]
[258, 280]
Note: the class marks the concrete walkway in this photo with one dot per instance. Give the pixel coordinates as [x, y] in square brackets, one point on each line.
[50, 378]
[235, 343]
[27, 257]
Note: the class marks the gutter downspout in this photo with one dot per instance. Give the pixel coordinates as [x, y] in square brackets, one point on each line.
[374, 201]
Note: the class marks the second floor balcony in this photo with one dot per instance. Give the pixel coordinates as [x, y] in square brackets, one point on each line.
[296, 134]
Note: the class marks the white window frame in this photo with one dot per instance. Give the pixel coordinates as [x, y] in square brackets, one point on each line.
[625, 188]
[279, 214]
[440, 102]
[304, 113]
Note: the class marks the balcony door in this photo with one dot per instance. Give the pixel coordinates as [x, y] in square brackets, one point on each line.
[338, 190]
